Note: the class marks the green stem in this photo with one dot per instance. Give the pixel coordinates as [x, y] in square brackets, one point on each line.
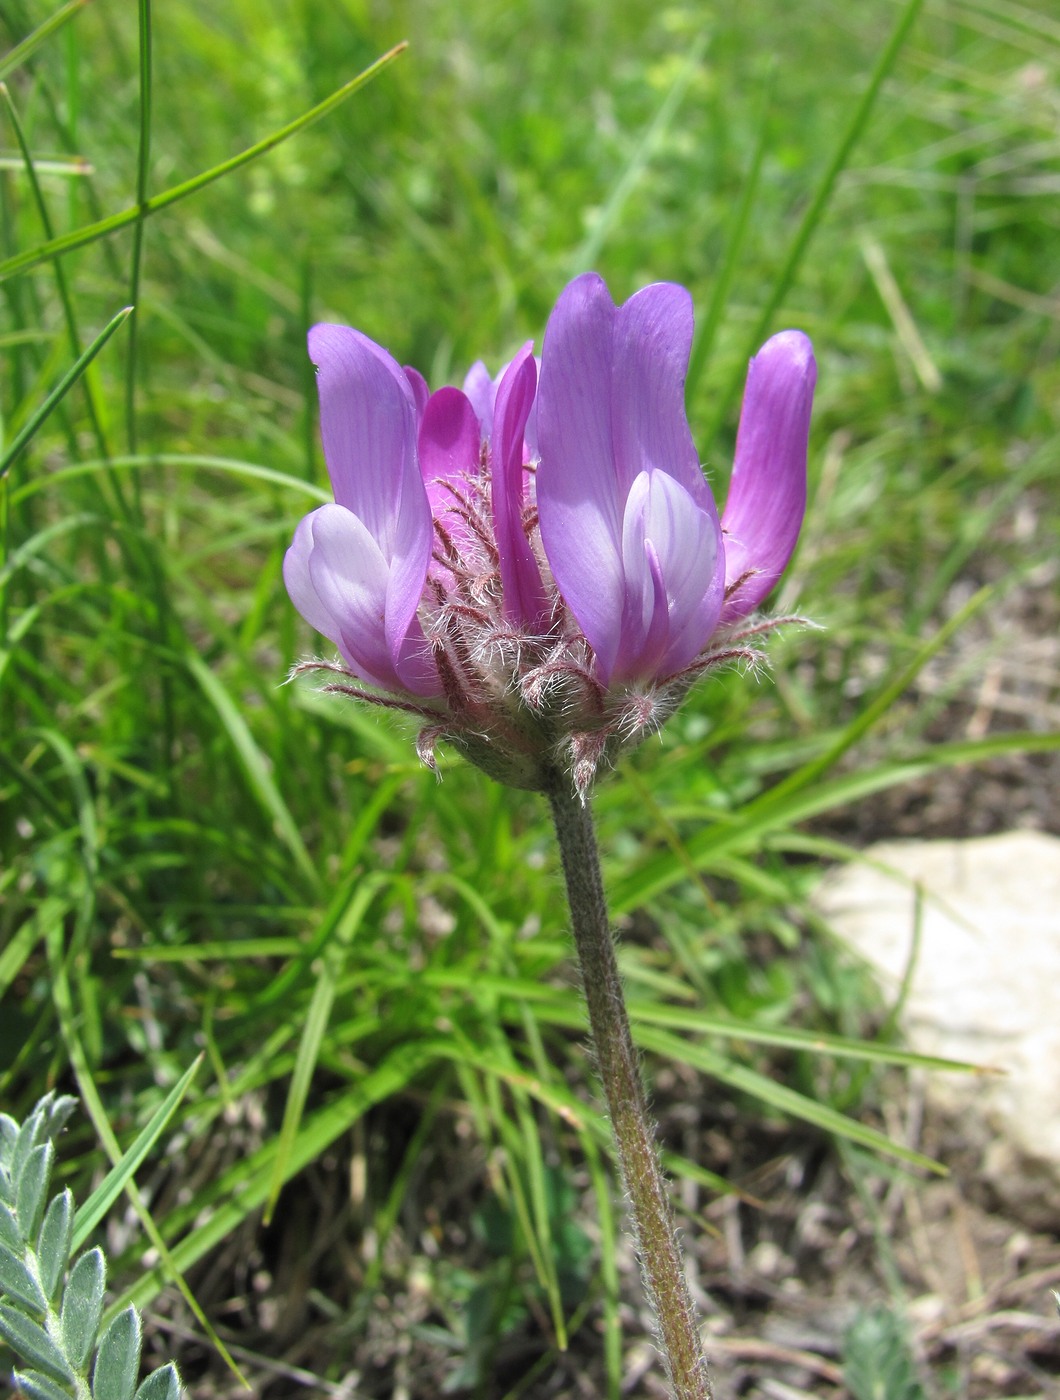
[661, 1264]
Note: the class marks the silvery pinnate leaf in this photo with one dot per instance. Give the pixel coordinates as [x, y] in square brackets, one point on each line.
[34, 1385]
[8, 1138]
[53, 1243]
[58, 1114]
[118, 1359]
[31, 1342]
[163, 1384]
[7, 1187]
[31, 1187]
[83, 1307]
[10, 1234]
[30, 1135]
[18, 1282]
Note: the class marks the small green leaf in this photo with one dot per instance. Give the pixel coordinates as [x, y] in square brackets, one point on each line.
[163, 1384]
[17, 1281]
[7, 1189]
[83, 1307]
[10, 1234]
[34, 1385]
[118, 1361]
[30, 1188]
[30, 1341]
[878, 1360]
[53, 1243]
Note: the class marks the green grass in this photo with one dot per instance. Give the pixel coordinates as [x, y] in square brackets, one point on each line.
[197, 857]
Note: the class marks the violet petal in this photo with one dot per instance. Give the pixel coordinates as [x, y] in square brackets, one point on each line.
[368, 425]
[420, 391]
[525, 599]
[767, 493]
[450, 448]
[652, 343]
[619, 473]
[482, 391]
[578, 500]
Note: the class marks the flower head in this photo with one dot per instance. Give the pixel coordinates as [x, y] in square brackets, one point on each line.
[534, 564]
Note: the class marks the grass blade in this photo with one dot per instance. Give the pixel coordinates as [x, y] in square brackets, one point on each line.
[245, 1188]
[69, 315]
[251, 471]
[69, 379]
[589, 249]
[80, 238]
[744, 832]
[356, 898]
[812, 218]
[110, 1188]
[779, 1096]
[17, 56]
[254, 764]
[734, 242]
[143, 163]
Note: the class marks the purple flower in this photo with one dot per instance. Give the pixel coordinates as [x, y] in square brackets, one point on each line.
[534, 564]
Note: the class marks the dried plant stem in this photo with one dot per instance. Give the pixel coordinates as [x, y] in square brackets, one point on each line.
[660, 1257]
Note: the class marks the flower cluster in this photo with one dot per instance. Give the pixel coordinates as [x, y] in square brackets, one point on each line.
[534, 565]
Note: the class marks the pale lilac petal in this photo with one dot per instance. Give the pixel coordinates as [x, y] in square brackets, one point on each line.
[578, 499]
[337, 579]
[420, 392]
[674, 586]
[415, 665]
[300, 586]
[627, 520]
[368, 421]
[450, 449]
[652, 342]
[767, 494]
[482, 391]
[645, 615]
[450, 441]
[532, 451]
[524, 597]
[353, 584]
[368, 425]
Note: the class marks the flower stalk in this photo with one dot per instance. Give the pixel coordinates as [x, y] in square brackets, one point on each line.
[662, 1266]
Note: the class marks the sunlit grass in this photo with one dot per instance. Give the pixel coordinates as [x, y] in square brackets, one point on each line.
[198, 857]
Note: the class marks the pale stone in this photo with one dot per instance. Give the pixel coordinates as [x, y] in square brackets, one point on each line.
[985, 987]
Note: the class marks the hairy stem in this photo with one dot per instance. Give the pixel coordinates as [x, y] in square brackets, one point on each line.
[661, 1263]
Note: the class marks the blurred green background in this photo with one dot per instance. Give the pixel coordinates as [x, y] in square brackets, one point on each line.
[197, 858]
